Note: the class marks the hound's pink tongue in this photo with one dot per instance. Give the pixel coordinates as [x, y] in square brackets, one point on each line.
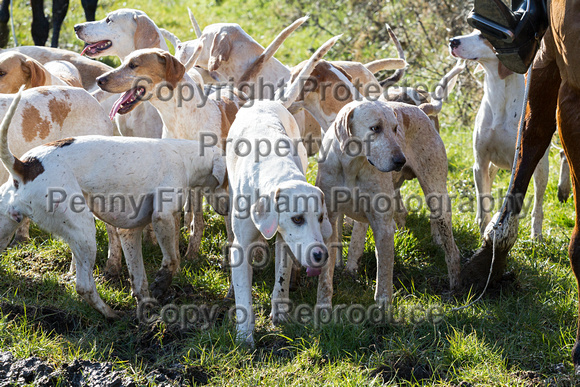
[91, 49]
[313, 271]
[119, 103]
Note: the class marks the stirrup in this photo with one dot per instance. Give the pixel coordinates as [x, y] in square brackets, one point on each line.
[514, 35]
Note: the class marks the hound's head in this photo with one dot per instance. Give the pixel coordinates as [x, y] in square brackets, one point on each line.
[326, 91]
[142, 75]
[120, 33]
[219, 44]
[369, 129]
[185, 50]
[297, 211]
[477, 48]
[17, 69]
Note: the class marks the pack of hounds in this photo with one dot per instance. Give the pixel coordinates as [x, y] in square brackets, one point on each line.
[223, 118]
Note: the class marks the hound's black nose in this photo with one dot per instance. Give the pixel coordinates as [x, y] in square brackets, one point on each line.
[77, 27]
[101, 81]
[320, 257]
[454, 43]
[399, 161]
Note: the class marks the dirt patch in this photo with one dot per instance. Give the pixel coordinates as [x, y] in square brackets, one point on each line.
[79, 373]
[180, 375]
[87, 373]
[51, 319]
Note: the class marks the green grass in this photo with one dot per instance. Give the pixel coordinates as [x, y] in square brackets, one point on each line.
[518, 334]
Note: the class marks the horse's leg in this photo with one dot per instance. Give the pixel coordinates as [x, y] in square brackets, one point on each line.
[59, 10]
[539, 126]
[90, 7]
[4, 17]
[568, 116]
[40, 26]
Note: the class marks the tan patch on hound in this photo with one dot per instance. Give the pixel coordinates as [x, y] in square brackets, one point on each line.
[228, 109]
[28, 169]
[231, 109]
[61, 143]
[43, 90]
[71, 81]
[33, 124]
[503, 71]
[59, 111]
[333, 95]
[406, 120]
[486, 42]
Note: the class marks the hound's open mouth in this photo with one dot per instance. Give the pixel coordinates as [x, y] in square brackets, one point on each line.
[127, 101]
[93, 49]
[313, 271]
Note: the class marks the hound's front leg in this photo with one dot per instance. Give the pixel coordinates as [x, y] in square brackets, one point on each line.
[280, 295]
[384, 233]
[242, 280]
[482, 193]
[196, 232]
[334, 245]
[356, 247]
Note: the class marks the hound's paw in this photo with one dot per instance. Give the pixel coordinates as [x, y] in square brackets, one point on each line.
[18, 240]
[161, 284]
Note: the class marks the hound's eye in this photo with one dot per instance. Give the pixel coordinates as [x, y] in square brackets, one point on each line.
[132, 65]
[376, 128]
[16, 184]
[298, 220]
[2, 73]
[320, 218]
[108, 20]
[395, 128]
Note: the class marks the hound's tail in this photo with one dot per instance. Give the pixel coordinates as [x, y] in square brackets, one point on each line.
[193, 59]
[442, 90]
[400, 73]
[100, 95]
[194, 23]
[174, 40]
[269, 52]
[6, 156]
[296, 85]
[386, 64]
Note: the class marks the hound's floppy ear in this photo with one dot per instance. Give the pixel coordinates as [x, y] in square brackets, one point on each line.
[174, 69]
[218, 171]
[343, 71]
[36, 71]
[342, 126]
[503, 71]
[265, 216]
[219, 51]
[146, 35]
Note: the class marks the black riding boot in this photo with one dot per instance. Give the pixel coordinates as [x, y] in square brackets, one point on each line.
[515, 35]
